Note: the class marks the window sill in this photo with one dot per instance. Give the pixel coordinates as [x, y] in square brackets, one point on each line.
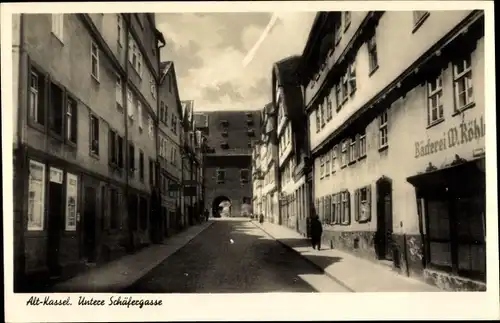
[420, 22]
[353, 91]
[362, 157]
[435, 123]
[71, 144]
[57, 37]
[352, 162]
[343, 166]
[95, 78]
[463, 108]
[56, 136]
[347, 26]
[94, 155]
[35, 125]
[373, 71]
[382, 148]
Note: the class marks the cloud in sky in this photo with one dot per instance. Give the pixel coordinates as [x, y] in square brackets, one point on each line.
[208, 51]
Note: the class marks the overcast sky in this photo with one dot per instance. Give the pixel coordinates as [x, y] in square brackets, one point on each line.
[208, 51]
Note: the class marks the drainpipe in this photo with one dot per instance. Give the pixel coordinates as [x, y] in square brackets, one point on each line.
[20, 157]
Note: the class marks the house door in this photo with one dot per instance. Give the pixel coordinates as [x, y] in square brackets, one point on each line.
[55, 220]
[384, 219]
[89, 223]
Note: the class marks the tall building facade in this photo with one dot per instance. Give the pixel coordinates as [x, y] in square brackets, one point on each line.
[230, 136]
[395, 104]
[170, 136]
[269, 165]
[85, 140]
[292, 145]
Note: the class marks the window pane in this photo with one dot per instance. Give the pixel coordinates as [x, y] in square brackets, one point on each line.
[440, 253]
[439, 225]
[36, 196]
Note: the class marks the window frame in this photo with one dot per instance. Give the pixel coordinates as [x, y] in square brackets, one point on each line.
[94, 56]
[58, 26]
[41, 227]
[218, 172]
[373, 61]
[242, 178]
[94, 151]
[67, 226]
[71, 120]
[383, 131]
[437, 93]
[464, 75]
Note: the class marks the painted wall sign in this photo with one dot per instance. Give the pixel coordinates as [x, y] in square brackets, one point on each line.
[464, 133]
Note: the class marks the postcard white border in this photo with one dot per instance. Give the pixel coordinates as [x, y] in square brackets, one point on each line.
[271, 306]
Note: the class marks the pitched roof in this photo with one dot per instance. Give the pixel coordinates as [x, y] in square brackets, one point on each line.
[287, 77]
[164, 68]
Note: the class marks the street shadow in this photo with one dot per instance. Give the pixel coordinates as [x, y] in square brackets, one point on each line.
[235, 257]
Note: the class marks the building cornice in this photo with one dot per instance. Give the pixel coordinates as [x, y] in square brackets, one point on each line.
[416, 73]
[366, 27]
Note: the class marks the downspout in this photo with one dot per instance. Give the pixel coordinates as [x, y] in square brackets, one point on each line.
[20, 259]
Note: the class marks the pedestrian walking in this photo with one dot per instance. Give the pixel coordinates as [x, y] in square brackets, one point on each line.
[206, 214]
[316, 232]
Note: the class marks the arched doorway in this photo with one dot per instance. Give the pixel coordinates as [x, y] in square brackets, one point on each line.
[221, 206]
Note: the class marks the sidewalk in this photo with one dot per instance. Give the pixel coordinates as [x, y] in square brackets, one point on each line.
[354, 273]
[117, 275]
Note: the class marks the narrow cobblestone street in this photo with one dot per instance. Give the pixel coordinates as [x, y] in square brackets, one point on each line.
[234, 256]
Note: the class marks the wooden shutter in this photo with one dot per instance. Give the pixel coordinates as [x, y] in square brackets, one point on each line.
[337, 209]
[368, 203]
[348, 215]
[357, 146]
[357, 197]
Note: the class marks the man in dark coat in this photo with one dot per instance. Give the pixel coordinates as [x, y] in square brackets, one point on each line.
[206, 214]
[316, 231]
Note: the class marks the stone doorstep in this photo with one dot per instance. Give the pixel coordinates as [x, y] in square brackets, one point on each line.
[117, 275]
[388, 272]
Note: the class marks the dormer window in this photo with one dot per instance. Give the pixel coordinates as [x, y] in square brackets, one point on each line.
[251, 132]
[224, 123]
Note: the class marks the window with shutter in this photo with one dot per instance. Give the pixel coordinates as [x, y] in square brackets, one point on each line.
[356, 205]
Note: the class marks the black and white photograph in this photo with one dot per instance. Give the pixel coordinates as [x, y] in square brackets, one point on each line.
[254, 149]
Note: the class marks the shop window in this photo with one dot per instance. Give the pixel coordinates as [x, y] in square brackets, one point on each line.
[36, 196]
[456, 239]
[71, 201]
[462, 83]
[435, 111]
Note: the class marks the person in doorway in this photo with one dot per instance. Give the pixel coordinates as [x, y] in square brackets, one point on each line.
[206, 214]
[316, 232]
